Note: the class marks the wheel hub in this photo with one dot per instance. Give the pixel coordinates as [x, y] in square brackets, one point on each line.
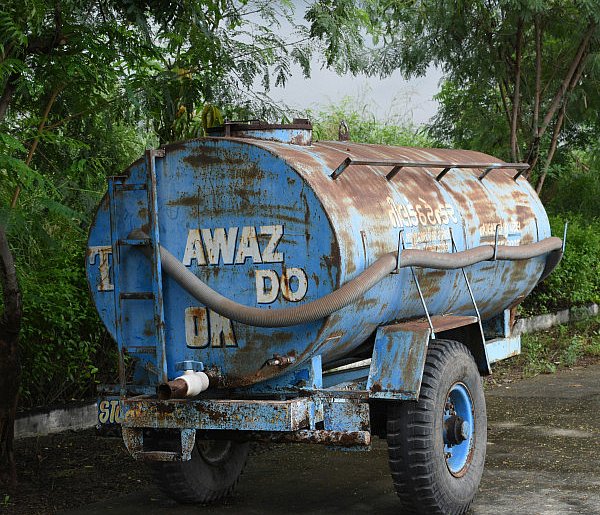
[457, 430]
[458, 423]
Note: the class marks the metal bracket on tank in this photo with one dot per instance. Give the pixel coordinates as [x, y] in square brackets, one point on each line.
[468, 283]
[495, 258]
[445, 166]
[401, 247]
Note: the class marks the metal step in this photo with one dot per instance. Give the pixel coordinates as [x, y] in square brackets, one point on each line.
[136, 243]
[130, 186]
[137, 295]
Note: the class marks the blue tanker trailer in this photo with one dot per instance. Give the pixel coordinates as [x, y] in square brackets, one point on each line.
[262, 287]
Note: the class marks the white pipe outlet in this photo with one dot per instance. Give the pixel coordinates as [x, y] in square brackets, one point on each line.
[196, 382]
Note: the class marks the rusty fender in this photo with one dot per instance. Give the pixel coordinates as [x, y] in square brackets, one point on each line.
[349, 292]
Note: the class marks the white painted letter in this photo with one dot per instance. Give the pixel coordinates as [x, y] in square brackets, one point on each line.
[194, 249]
[248, 246]
[220, 244]
[269, 254]
[103, 252]
[221, 331]
[196, 327]
[286, 289]
[266, 295]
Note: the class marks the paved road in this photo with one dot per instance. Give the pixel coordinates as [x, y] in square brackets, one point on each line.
[543, 458]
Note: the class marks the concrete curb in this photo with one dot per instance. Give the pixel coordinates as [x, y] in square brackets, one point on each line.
[543, 322]
[84, 417]
[56, 421]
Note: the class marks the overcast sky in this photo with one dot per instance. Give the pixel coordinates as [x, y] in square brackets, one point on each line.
[392, 97]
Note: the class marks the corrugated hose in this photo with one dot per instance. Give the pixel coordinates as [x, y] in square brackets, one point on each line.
[353, 289]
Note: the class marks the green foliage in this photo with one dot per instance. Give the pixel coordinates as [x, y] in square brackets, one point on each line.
[84, 88]
[576, 280]
[470, 117]
[364, 127]
[502, 92]
[62, 338]
[576, 187]
[563, 346]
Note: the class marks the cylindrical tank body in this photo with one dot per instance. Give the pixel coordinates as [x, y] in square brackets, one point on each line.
[263, 223]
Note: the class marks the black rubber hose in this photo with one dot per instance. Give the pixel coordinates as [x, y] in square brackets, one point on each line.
[347, 293]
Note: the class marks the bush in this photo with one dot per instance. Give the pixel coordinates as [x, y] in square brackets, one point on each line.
[563, 346]
[577, 193]
[365, 128]
[62, 340]
[576, 280]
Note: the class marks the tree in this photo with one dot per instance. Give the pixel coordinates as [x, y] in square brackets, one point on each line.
[532, 64]
[84, 87]
[10, 366]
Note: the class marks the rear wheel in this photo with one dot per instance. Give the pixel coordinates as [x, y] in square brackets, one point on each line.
[210, 475]
[437, 445]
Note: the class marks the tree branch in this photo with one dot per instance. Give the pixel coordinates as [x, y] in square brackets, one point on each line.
[35, 142]
[558, 125]
[560, 94]
[502, 88]
[553, 146]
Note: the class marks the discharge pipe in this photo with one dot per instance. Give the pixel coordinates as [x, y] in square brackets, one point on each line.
[353, 289]
[185, 386]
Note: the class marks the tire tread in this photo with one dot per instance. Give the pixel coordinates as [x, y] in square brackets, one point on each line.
[409, 432]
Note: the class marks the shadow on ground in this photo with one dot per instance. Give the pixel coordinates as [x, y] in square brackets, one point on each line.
[544, 436]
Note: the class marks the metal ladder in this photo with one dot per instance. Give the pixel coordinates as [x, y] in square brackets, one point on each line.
[117, 192]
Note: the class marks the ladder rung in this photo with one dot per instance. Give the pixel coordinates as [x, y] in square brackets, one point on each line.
[136, 243]
[129, 186]
[137, 295]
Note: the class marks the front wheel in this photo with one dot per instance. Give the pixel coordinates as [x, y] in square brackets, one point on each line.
[437, 445]
[210, 475]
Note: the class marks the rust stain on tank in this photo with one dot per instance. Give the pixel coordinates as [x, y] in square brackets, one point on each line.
[185, 200]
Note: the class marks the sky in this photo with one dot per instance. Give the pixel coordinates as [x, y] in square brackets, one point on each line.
[389, 99]
[392, 98]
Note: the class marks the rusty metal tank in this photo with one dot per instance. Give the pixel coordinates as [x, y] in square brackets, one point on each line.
[271, 220]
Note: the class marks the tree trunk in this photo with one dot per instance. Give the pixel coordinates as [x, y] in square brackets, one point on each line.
[7, 94]
[538, 76]
[10, 366]
[534, 148]
[516, 94]
[568, 84]
[580, 56]
[559, 125]
[553, 145]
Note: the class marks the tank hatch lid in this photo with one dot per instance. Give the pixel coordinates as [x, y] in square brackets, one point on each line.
[299, 132]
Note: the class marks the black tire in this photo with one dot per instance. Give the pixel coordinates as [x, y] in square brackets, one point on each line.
[421, 472]
[211, 474]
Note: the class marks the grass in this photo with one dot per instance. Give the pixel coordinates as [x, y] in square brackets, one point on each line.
[546, 352]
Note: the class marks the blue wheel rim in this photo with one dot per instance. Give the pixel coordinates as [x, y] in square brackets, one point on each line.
[458, 404]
